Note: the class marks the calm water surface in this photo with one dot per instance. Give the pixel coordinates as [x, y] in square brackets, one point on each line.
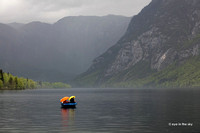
[100, 110]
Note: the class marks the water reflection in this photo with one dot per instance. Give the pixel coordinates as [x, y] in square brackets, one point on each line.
[68, 117]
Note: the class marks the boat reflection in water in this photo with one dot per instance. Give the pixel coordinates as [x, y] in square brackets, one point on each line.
[68, 117]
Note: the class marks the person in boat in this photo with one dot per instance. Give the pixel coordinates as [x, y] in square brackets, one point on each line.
[72, 100]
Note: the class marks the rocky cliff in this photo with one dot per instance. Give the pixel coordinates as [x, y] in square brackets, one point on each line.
[163, 33]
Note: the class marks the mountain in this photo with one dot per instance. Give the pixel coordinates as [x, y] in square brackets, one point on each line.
[159, 49]
[88, 37]
[16, 25]
[59, 51]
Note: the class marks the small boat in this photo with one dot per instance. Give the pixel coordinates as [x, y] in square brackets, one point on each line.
[68, 102]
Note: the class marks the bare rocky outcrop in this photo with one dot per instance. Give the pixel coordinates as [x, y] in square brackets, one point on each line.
[137, 50]
[164, 32]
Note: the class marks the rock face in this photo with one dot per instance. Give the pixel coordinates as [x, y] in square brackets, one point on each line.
[164, 32]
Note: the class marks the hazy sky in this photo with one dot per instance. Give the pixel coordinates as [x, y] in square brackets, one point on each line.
[50, 11]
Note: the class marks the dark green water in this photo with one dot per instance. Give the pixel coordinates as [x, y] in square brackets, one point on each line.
[100, 110]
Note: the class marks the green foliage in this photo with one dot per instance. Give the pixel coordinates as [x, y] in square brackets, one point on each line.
[186, 75]
[1, 84]
[20, 84]
[174, 76]
[191, 42]
[12, 82]
[53, 85]
[89, 80]
[6, 79]
[126, 78]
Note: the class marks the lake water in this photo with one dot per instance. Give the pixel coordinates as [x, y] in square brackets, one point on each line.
[100, 110]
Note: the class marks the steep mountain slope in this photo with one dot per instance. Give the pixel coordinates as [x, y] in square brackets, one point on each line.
[164, 33]
[88, 37]
[9, 41]
[58, 52]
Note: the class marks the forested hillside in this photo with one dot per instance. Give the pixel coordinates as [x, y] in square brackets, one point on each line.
[10, 82]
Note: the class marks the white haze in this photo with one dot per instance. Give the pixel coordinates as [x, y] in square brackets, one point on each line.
[24, 11]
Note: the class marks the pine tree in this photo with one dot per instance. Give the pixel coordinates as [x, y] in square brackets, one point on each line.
[1, 75]
[16, 83]
[11, 83]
